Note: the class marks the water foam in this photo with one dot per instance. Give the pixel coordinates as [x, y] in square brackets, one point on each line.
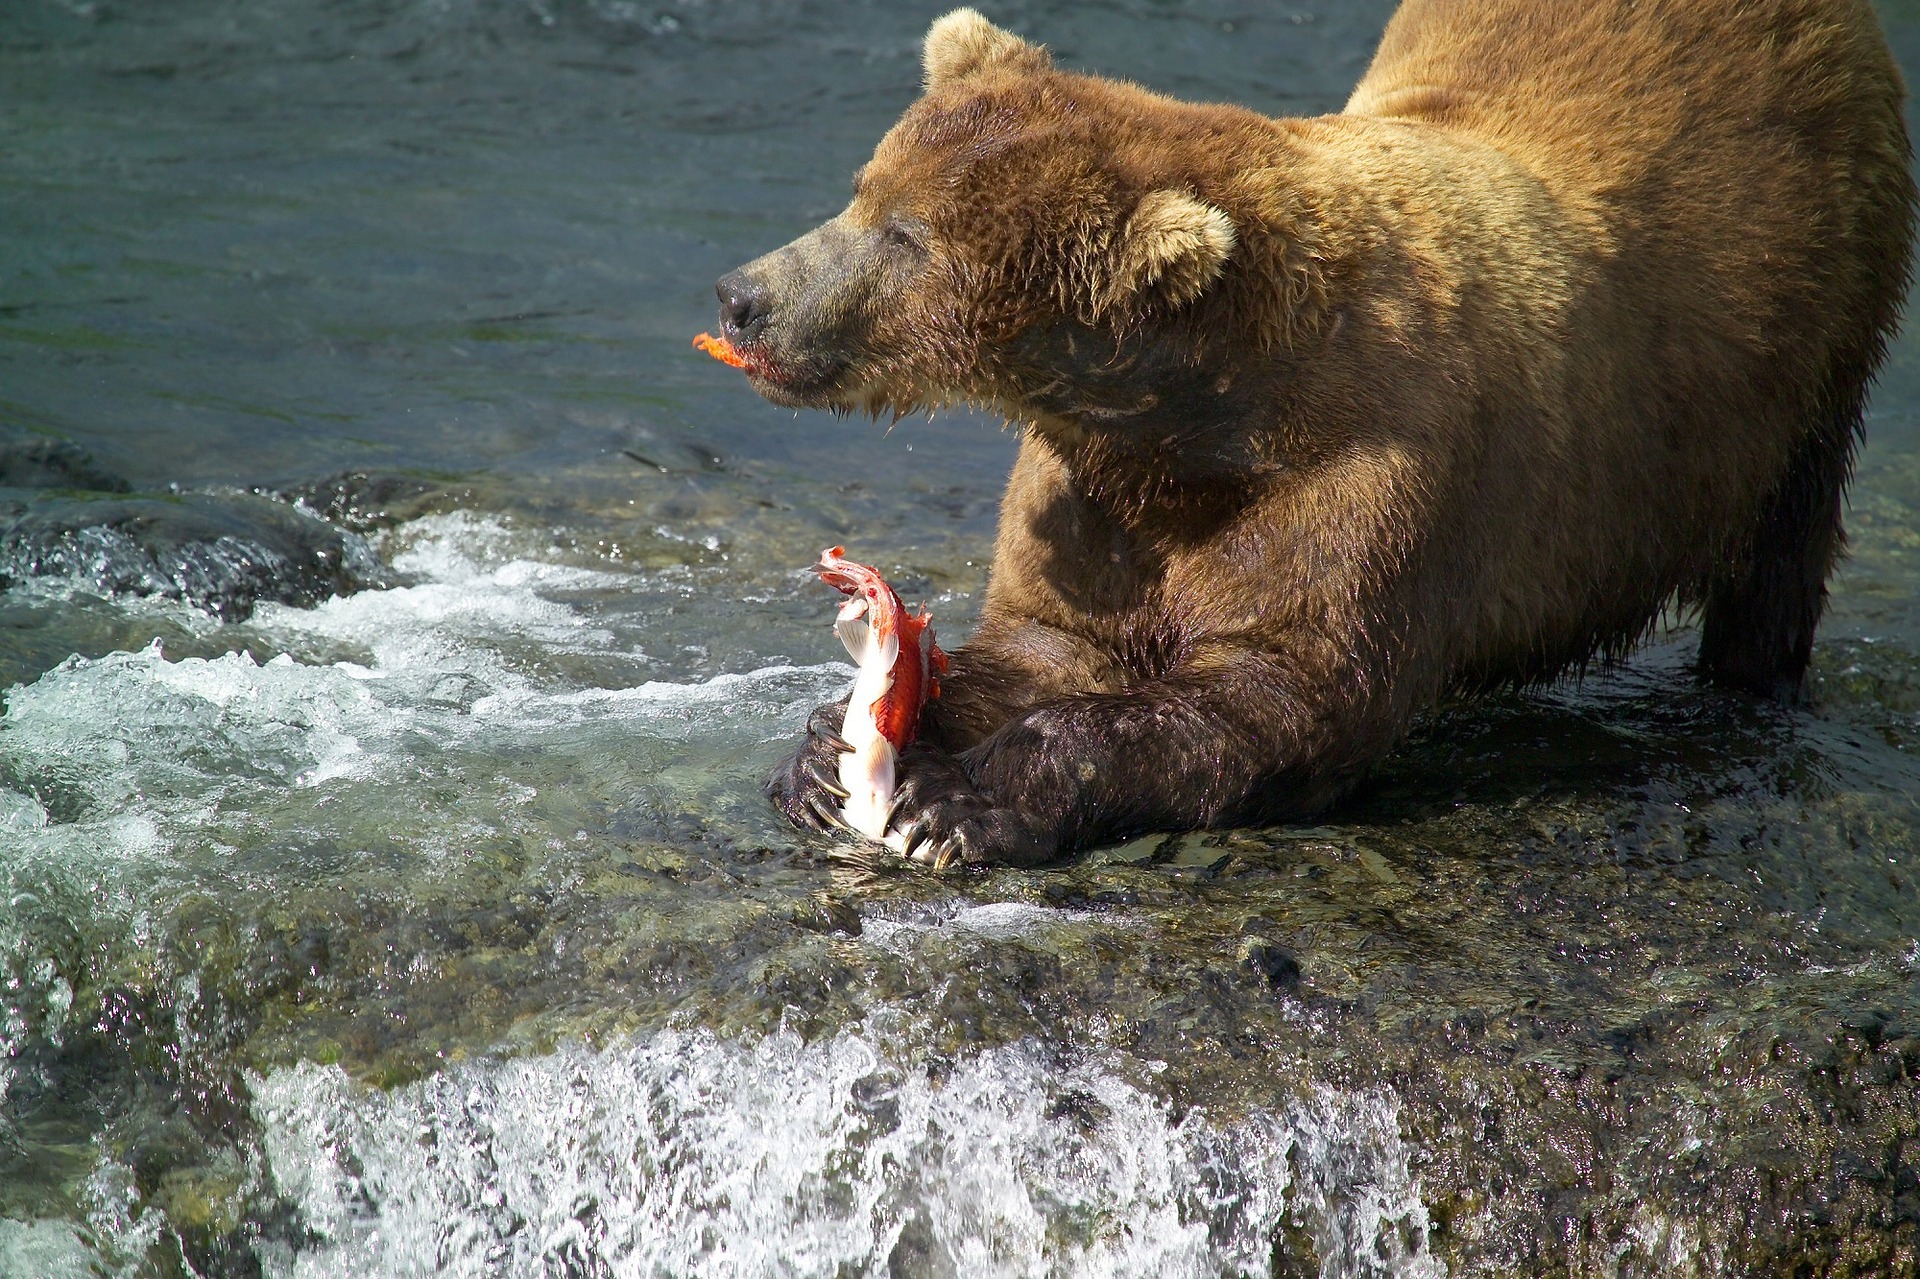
[121, 758]
[686, 1153]
[475, 587]
[900, 928]
[44, 1250]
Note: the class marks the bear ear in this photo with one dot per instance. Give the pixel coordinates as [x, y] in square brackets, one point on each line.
[1171, 248]
[963, 42]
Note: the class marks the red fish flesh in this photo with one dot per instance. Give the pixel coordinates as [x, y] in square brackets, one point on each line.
[899, 669]
[720, 349]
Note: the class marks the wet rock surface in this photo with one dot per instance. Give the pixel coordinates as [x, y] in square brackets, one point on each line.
[1608, 1037]
[363, 502]
[222, 553]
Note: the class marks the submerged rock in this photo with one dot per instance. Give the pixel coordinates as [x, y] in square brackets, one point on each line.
[365, 501]
[223, 553]
[39, 461]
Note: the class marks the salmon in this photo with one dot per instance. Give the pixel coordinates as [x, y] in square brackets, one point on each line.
[720, 349]
[899, 671]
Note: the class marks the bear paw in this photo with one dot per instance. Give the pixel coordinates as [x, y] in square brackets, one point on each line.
[945, 820]
[806, 785]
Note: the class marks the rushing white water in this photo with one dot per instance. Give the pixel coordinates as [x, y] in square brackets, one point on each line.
[44, 1250]
[686, 1154]
[145, 755]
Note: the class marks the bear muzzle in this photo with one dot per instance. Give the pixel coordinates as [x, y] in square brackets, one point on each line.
[747, 305]
[799, 317]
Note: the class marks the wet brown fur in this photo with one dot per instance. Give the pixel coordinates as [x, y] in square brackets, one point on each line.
[1568, 318]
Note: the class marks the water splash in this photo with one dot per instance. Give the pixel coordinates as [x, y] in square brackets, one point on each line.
[686, 1153]
[44, 1250]
[111, 760]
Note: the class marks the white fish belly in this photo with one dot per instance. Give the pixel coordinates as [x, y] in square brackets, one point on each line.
[867, 774]
[866, 771]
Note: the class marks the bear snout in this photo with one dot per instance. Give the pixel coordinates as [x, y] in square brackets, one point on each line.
[744, 305]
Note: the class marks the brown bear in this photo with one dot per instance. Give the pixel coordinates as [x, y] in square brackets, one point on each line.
[1567, 318]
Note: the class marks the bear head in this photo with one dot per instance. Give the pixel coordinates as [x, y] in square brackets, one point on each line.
[1015, 216]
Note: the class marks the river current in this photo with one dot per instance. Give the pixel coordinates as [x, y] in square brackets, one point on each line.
[400, 617]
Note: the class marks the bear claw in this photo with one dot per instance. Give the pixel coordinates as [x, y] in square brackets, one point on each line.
[805, 786]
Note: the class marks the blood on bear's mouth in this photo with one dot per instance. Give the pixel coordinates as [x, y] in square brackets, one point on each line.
[751, 360]
[796, 386]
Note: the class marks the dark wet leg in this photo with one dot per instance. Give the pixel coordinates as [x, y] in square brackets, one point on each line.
[1760, 616]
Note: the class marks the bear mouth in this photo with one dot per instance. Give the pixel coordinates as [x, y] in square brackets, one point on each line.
[778, 387]
[800, 384]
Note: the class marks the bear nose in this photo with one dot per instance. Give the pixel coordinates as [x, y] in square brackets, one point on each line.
[743, 307]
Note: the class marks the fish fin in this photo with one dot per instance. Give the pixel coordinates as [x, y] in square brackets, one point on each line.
[864, 645]
[935, 655]
[861, 643]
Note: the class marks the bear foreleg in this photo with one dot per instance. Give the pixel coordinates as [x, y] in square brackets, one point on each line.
[1227, 742]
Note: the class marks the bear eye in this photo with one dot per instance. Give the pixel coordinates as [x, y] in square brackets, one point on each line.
[897, 235]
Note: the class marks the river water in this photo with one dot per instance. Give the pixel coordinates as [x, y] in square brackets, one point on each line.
[407, 905]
